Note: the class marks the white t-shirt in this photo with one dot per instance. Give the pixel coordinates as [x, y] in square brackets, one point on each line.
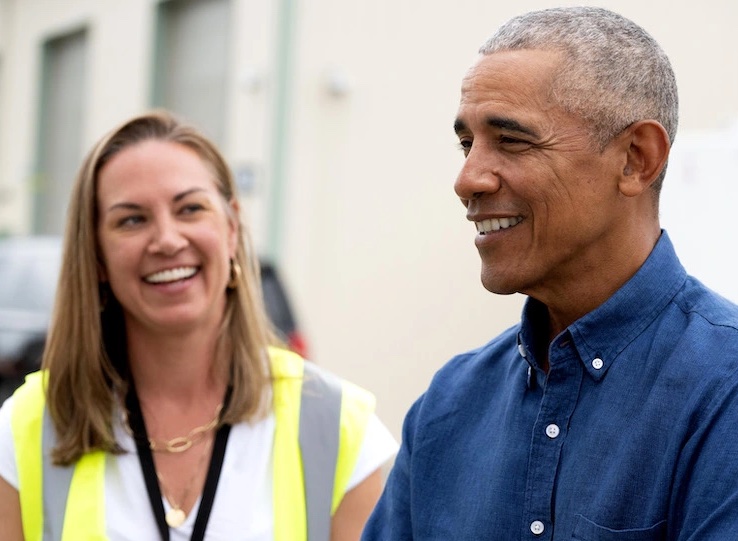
[242, 510]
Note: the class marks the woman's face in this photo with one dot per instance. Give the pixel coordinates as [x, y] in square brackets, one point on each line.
[166, 236]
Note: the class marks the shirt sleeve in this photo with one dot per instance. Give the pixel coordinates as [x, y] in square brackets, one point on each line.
[378, 447]
[706, 478]
[8, 469]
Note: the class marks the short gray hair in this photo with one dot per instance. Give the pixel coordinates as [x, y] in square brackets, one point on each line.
[614, 73]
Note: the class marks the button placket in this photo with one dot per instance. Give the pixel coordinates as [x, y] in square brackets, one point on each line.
[557, 404]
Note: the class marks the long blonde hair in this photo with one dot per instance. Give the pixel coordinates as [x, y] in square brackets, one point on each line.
[85, 353]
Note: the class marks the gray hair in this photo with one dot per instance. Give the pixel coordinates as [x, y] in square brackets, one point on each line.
[614, 73]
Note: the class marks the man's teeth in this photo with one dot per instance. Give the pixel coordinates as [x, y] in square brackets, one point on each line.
[495, 224]
[171, 275]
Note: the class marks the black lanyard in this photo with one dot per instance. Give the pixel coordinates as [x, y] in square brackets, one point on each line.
[138, 427]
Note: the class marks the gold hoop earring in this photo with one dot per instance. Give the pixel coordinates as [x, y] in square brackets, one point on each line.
[235, 275]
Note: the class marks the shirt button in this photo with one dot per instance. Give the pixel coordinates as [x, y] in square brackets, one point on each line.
[552, 431]
[597, 363]
[521, 350]
[537, 527]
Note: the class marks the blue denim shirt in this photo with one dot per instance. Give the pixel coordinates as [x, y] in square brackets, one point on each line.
[631, 436]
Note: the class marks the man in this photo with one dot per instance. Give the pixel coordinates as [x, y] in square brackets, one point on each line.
[611, 411]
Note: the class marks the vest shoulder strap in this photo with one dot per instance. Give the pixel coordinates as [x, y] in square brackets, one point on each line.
[27, 428]
[57, 503]
[320, 425]
[328, 417]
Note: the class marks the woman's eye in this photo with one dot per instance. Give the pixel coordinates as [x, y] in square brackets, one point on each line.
[191, 208]
[130, 221]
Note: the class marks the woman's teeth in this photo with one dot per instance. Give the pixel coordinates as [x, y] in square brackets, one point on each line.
[170, 275]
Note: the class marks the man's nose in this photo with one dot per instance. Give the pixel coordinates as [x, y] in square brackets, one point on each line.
[478, 175]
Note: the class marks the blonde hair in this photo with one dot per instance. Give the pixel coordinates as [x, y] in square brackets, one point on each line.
[85, 352]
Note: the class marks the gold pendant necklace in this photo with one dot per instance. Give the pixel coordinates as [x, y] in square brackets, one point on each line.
[176, 516]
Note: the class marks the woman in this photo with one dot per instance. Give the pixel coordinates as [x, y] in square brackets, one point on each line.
[164, 409]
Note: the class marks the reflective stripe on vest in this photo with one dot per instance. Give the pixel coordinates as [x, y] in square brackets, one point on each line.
[56, 483]
[320, 418]
[73, 497]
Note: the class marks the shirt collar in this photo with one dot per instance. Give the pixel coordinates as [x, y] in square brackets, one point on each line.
[602, 334]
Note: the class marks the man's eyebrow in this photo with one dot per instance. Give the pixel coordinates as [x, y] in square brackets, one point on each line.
[459, 126]
[499, 122]
[509, 124]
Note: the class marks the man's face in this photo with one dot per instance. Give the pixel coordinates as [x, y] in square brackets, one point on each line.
[543, 196]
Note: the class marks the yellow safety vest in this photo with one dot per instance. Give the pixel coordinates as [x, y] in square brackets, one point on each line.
[320, 422]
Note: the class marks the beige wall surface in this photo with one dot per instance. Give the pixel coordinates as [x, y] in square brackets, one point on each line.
[380, 255]
[375, 248]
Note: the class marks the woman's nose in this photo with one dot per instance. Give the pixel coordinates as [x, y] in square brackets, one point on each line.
[168, 238]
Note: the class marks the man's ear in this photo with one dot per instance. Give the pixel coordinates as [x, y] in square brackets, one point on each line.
[647, 149]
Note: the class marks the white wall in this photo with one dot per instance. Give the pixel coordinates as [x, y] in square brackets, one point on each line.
[4, 17]
[376, 250]
[699, 204]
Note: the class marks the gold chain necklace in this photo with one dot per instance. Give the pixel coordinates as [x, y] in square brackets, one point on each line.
[176, 516]
[179, 444]
[182, 443]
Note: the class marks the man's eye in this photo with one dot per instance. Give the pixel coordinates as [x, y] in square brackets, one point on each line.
[465, 146]
[507, 140]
